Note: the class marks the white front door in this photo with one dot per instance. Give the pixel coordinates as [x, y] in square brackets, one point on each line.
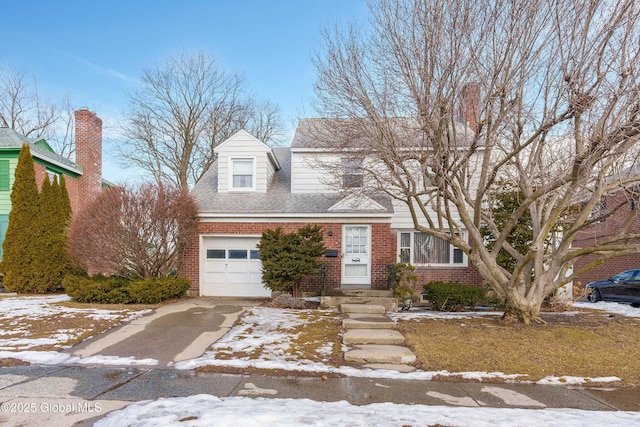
[356, 255]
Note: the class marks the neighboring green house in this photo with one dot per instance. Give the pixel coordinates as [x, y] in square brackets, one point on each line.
[82, 182]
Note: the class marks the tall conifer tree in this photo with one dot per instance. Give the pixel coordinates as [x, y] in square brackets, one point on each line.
[65, 208]
[44, 244]
[18, 248]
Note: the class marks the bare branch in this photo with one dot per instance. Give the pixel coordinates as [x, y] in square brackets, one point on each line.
[185, 108]
[447, 101]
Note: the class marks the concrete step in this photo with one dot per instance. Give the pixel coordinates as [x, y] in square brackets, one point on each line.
[367, 293]
[367, 321]
[373, 336]
[388, 303]
[393, 354]
[363, 308]
[400, 367]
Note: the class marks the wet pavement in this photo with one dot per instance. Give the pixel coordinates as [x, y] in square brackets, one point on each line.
[78, 395]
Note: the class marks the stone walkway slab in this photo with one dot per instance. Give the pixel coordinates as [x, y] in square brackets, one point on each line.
[380, 354]
[367, 321]
[373, 336]
[363, 308]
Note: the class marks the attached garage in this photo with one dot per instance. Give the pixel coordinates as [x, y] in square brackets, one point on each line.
[231, 267]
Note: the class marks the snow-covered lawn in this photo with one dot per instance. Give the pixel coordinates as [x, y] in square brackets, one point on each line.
[35, 328]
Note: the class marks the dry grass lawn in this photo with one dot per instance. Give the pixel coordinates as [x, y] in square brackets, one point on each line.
[584, 345]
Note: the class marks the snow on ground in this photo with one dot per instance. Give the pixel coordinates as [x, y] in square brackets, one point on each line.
[270, 331]
[610, 307]
[20, 312]
[265, 333]
[266, 329]
[207, 410]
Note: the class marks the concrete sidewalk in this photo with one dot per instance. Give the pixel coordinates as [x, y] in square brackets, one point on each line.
[174, 332]
[63, 396]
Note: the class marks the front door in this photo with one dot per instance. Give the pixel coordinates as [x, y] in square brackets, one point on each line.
[356, 255]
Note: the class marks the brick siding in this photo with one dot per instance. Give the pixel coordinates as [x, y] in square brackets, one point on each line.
[383, 254]
[89, 156]
[603, 229]
[381, 257]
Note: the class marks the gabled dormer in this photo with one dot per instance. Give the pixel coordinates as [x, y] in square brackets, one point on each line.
[245, 164]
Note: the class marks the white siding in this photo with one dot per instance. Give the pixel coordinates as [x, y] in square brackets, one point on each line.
[243, 146]
[307, 175]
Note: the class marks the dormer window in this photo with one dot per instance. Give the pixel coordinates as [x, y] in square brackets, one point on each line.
[243, 174]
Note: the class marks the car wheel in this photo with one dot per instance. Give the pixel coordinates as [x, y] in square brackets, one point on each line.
[594, 296]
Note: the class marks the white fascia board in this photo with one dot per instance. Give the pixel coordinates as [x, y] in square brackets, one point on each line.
[376, 218]
[329, 150]
[56, 163]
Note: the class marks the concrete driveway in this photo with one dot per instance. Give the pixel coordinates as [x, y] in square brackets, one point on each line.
[175, 332]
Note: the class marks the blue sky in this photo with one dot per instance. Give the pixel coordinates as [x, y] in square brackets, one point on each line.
[95, 51]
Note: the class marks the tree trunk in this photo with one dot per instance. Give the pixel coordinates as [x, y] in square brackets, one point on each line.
[295, 290]
[521, 310]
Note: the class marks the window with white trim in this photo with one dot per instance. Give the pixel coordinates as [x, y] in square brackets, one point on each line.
[419, 248]
[242, 174]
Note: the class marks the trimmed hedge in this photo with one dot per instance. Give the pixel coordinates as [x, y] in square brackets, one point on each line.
[119, 290]
[453, 296]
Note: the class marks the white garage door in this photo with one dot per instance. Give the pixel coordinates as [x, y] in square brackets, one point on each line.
[232, 267]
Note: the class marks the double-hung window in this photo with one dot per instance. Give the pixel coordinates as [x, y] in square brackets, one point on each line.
[242, 174]
[352, 175]
[419, 248]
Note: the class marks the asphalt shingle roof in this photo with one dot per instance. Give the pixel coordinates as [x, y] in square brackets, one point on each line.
[9, 138]
[277, 199]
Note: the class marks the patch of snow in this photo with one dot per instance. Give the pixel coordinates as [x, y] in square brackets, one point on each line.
[566, 380]
[55, 358]
[114, 360]
[610, 307]
[207, 410]
[417, 313]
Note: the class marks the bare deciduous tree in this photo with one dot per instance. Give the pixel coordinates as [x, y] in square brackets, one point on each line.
[448, 99]
[23, 109]
[186, 107]
[136, 232]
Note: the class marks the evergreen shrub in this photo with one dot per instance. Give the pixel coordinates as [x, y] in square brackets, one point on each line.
[120, 290]
[453, 296]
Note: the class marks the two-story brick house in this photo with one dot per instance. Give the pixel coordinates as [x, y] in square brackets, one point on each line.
[252, 187]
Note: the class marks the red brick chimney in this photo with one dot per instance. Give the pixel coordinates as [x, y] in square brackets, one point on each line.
[470, 108]
[88, 155]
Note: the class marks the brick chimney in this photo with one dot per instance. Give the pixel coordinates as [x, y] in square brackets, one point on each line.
[88, 155]
[470, 108]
